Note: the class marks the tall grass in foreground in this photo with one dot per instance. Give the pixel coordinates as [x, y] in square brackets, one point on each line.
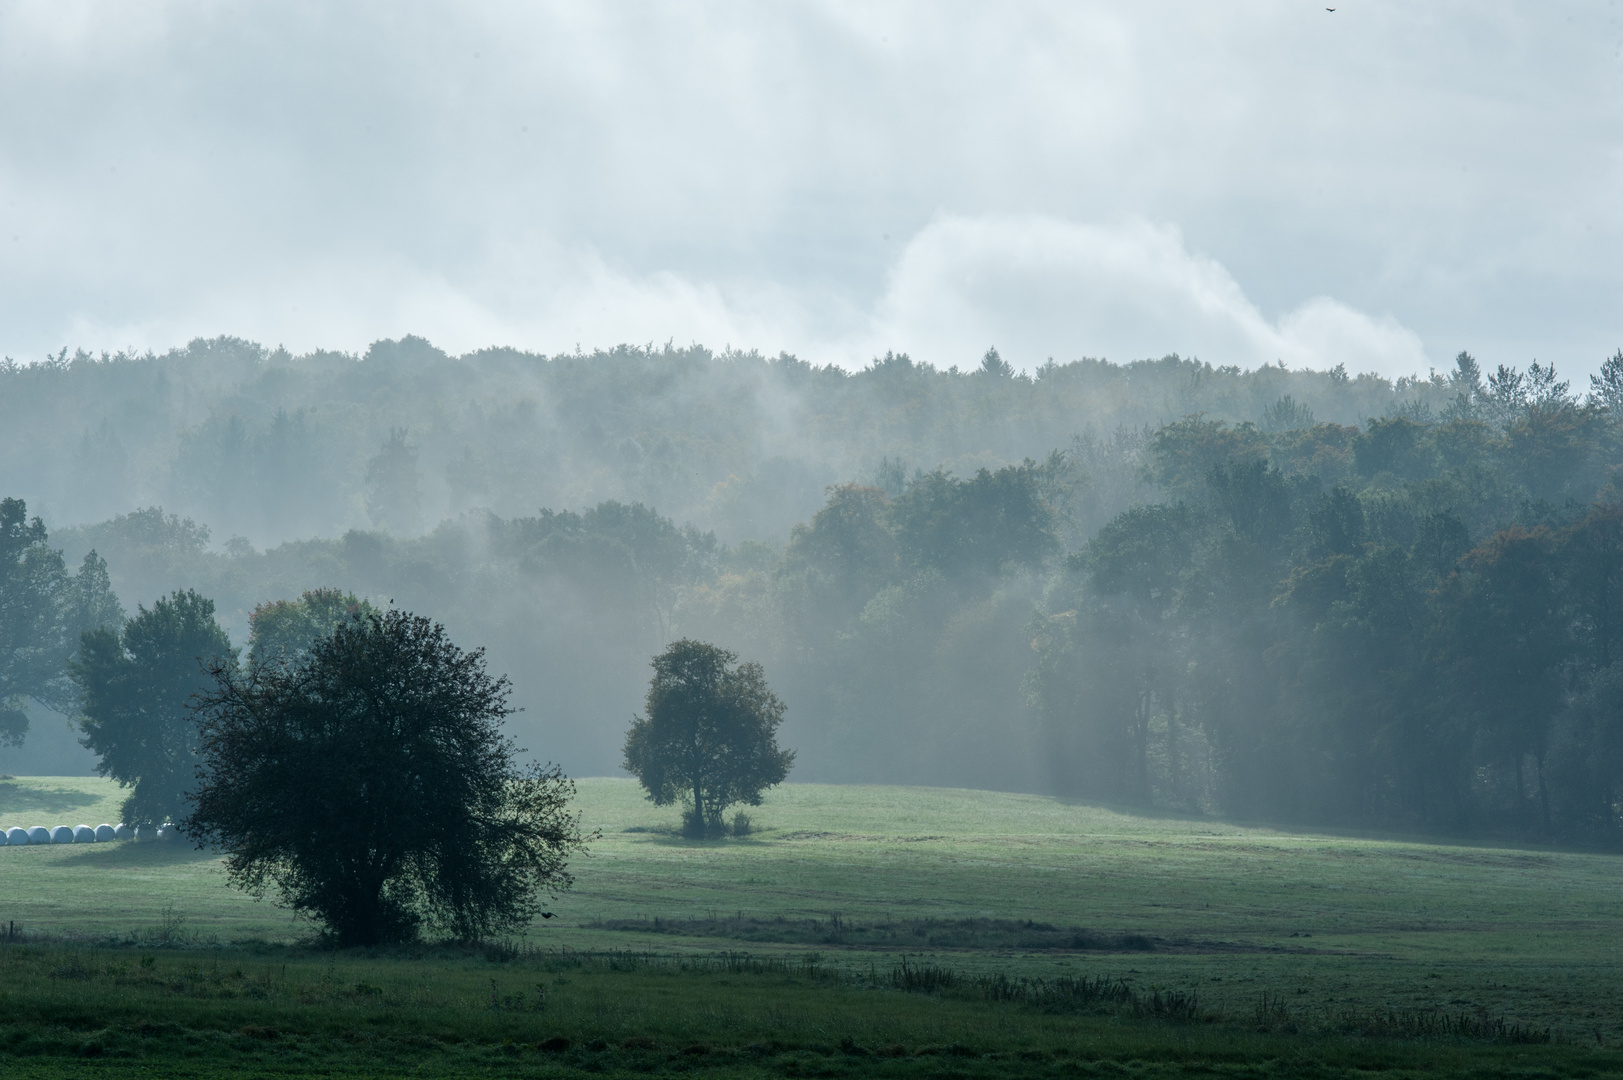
[456, 1010]
[1101, 995]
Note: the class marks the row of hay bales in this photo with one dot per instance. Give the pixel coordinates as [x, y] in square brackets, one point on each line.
[85, 834]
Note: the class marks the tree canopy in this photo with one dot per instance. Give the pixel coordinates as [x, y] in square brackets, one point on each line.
[370, 785]
[137, 685]
[709, 736]
[43, 610]
[284, 631]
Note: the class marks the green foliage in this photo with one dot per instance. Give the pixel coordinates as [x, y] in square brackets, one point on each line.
[1606, 387]
[1395, 445]
[31, 584]
[284, 631]
[43, 610]
[709, 736]
[625, 560]
[849, 543]
[137, 684]
[1183, 454]
[371, 786]
[975, 527]
[272, 446]
[1402, 646]
[1286, 414]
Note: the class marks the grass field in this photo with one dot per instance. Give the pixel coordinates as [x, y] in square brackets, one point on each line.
[1308, 937]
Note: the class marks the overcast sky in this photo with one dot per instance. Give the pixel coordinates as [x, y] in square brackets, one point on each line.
[1382, 185]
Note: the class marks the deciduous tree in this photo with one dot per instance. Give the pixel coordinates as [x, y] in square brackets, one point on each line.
[137, 686]
[372, 788]
[710, 734]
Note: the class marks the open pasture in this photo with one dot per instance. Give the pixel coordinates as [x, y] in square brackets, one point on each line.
[1301, 934]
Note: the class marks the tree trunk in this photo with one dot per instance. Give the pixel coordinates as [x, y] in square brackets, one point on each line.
[698, 805]
[1543, 795]
[1142, 739]
[1174, 762]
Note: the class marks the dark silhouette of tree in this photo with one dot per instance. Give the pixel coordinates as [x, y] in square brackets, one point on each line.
[710, 734]
[372, 788]
[138, 685]
[994, 365]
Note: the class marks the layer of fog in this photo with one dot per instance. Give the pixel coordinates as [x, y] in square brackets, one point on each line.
[273, 472]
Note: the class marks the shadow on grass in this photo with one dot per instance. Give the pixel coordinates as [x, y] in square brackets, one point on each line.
[674, 837]
[16, 799]
[118, 856]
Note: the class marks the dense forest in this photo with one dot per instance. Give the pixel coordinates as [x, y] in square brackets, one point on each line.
[1283, 595]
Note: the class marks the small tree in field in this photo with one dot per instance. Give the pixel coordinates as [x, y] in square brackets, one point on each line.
[370, 784]
[709, 736]
[137, 685]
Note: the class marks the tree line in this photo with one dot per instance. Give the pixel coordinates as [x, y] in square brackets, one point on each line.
[1404, 621]
[1414, 624]
[269, 446]
[357, 765]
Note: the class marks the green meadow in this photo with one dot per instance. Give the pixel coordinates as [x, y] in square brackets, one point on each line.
[856, 930]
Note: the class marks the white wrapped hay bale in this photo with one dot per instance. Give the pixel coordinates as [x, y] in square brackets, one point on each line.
[167, 831]
[16, 837]
[39, 834]
[62, 834]
[122, 831]
[84, 834]
[145, 833]
[104, 833]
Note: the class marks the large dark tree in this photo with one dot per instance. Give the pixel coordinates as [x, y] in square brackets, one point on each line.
[710, 734]
[137, 688]
[371, 786]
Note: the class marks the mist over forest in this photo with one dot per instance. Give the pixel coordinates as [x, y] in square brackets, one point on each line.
[1272, 594]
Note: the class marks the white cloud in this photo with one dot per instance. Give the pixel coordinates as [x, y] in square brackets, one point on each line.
[550, 300]
[1324, 332]
[1038, 287]
[1034, 286]
[821, 176]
